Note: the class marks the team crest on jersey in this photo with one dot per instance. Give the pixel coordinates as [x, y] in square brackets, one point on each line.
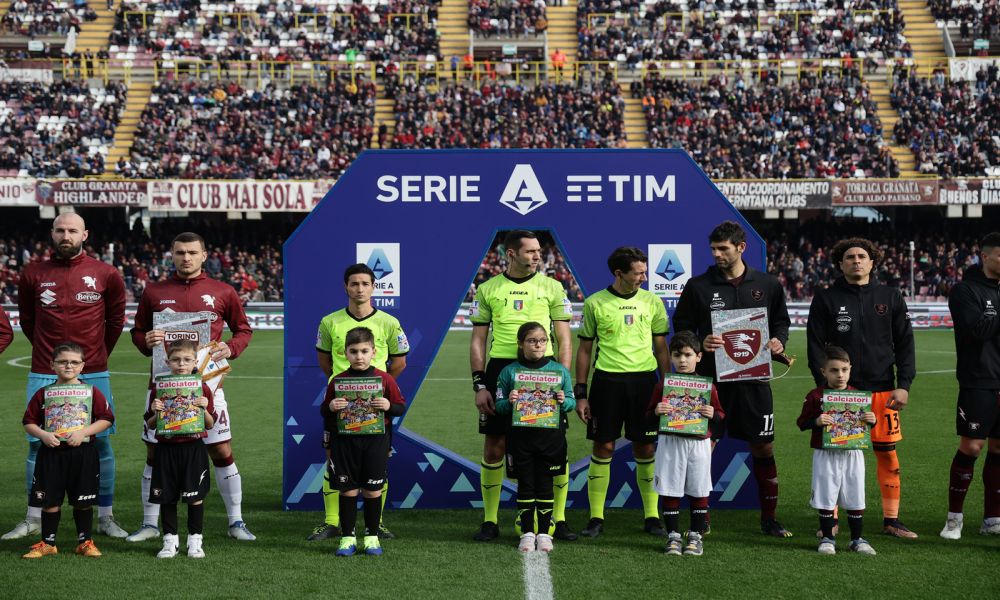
[756, 294]
[208, 300]
[90, 282]
[881, 309]
[518, 304]
[629, 319]
[39, 495]
[742, 345]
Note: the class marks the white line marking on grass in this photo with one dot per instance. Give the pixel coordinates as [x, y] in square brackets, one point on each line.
[537, 579]
[16, 362]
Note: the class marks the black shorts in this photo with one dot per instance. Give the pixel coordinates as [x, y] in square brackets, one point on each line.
[749, 410]
[359, 461]
[978, 414]
[180, 473]
[71, 472]
[618, 399]
[532, 450]
[494, 424]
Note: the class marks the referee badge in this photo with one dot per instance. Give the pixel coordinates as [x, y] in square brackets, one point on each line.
[629, 319]
[518, 304]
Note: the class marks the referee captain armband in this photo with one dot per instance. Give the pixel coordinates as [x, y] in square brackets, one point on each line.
[478, 380]
[580, 391]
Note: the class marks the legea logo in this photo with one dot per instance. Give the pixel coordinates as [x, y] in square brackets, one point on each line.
[669, 269]
[384, 260]
[523, 193]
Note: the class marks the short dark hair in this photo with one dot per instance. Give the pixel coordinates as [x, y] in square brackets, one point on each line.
[622, 258]
[684, 339]
[728, 231]
[182, 345]
[841, 248]
[188, 237]
[991, 240]
[832, 352]
[512, 239]
[356, 270]
[66, 347]
[359, 335]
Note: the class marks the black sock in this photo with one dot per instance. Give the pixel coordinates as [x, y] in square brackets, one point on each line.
[168, 514]
[348, 514]
[699, 514]
[196, 518]
[543, 513]
[373, 515]
[826, 523]
[526, 514]
[84, 518]
[856, 519]
[671, 508]
[50, 525]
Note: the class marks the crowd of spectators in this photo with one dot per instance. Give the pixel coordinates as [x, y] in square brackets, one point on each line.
[949, 125]
[634, 31]
[58, 129]
[506, 18]
[219, 130]
[279, 30]
[553, 264]
[255, 270]
[823, 125]
[979, 19]
[46, 17]
[431, 114]
[801, 261]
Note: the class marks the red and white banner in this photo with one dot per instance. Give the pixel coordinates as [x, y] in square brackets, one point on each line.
[17, 191]
[92, 192]
[223, 196]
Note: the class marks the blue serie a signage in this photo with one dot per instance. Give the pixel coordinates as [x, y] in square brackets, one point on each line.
[424, 221]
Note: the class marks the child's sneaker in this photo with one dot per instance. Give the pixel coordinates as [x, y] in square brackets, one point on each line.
[348, 546]
[372, 545]
[674, 545]
[990, 526]
[953, 527]
[827, 546]
[194, 546]
[694, 545]
[88, 549]
[543, 542]
[527, 542]
[146, 532]
[170, 544]
[861, 546]
[41, 549]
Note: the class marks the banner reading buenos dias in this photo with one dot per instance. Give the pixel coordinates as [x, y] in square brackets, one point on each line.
[884, 192]
[970, 191]
[759, 195]
[17, 191]
[222, 196]
[92, 192]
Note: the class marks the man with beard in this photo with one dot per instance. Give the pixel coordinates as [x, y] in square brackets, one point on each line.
[72, 298]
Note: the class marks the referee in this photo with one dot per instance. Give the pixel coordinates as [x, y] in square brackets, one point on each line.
[505, 302]
[626, 327]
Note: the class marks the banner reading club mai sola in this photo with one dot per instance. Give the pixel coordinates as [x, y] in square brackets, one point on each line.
[222, 196]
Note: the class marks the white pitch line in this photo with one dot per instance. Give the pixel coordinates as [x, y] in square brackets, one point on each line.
[537, 579]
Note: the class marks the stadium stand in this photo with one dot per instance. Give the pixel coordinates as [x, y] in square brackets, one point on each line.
[970, 20]
[950, 126]
[507, 18]
[221, 130]
[822, 125]
[62, 129]
[36, 18]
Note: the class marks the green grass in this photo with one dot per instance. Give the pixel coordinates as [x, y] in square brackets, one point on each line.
[435, 557]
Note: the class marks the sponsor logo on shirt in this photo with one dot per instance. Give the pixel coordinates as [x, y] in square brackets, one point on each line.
[48, 297]
[717, 302]
[474, 309]
[90, 282]
[162, 302]
[402, 343]
[47, 284]
[88, 297]
[843, 320]
[567, 306]
[990, 310]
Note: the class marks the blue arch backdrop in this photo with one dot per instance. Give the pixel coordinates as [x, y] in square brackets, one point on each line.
[425, 219]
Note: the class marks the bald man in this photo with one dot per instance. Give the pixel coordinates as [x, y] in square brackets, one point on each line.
[72, 298]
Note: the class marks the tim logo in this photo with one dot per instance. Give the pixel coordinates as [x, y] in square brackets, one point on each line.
[742, 345]
[384, 260]
[670, 269]
[523, 193]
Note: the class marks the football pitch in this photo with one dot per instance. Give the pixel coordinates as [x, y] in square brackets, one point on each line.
[434, 555]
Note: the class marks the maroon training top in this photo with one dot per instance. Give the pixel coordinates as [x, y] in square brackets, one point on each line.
[6, 332]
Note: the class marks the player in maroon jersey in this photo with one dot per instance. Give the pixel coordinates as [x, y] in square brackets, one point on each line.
[6, 332]
[189, 289]
[72, 298]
